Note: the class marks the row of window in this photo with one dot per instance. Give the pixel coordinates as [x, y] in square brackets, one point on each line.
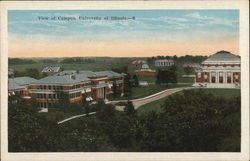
[50, 87]
[74, 95]
[221, 65]
[213, 77]
[50, 96]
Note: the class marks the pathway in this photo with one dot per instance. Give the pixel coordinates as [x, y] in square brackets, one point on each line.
[141, 101]
[76, 116]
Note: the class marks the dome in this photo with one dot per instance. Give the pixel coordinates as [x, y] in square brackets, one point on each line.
[222, 56]
[145, 66]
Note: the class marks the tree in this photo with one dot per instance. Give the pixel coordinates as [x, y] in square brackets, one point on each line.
[129, 108]
[166, 77]
[135, 81]
[23, 128]
[127, 85]
[188, 70]
[197, 121]
[114, 89]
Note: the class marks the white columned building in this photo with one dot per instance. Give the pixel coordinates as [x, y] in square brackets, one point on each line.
[220, 70]
[164, 62]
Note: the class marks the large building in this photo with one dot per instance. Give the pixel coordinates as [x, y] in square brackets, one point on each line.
[19, 85]
[145, 70]
[164, 62]
[220, 70]
[77, 85]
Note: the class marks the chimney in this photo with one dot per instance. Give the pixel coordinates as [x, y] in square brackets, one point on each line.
[72, 76]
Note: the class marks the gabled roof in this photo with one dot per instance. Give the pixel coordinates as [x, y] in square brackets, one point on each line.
[222, 56]
[51, 69]
[19, 82]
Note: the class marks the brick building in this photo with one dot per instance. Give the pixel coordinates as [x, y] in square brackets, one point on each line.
[220, 70]
[77, 85]
[19, 85]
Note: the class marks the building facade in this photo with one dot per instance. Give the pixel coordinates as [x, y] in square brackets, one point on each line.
[76, 86]
[220, 70]
[164, 62]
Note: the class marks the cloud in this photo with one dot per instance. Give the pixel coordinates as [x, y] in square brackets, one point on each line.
[195, 15]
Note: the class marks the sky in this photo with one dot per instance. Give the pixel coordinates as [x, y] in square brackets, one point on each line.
[137, 33]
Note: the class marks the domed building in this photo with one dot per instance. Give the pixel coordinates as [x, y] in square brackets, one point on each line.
[220, 70]
[145, 70]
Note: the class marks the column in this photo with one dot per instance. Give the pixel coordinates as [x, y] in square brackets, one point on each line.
[231, 76]
[217, 77]
[210, 77]
[225, 77]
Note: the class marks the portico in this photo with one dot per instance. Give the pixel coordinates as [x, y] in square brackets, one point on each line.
[221, 70]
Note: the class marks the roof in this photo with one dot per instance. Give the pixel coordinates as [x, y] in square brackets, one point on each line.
[63, 79]
[51, 69]
[223, 56]
[19, 82]
[145, 66]
[138, 62]
[109, 74]
[164, 60]
[73, 76]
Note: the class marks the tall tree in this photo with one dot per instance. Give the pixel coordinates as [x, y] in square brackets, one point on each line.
[127, 85]
[129, 108]
[135, 80]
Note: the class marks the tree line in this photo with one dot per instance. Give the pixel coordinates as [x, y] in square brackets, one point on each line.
[191, 121]
[78, 60]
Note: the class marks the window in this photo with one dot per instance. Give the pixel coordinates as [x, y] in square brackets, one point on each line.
[213, 77]
[236, 77]
[229, 74]
[49, 87]
[220, 77]
[44, 95]
[61, 87]
[50, 96]
[206, 77]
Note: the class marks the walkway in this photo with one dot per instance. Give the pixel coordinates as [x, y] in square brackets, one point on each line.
[76, 116]
[141, 101]
[136, 102]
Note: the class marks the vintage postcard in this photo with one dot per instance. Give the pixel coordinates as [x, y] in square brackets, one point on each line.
[125, 80]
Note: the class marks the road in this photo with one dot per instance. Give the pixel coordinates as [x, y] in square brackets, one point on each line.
[141, 101]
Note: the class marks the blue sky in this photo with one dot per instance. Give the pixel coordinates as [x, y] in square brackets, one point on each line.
[151, 30]
[164, 24]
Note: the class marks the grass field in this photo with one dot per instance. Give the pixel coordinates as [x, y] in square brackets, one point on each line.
[94, 66]
[156, 105]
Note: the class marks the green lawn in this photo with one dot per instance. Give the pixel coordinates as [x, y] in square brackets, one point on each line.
[95, 66]
[155, 106]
